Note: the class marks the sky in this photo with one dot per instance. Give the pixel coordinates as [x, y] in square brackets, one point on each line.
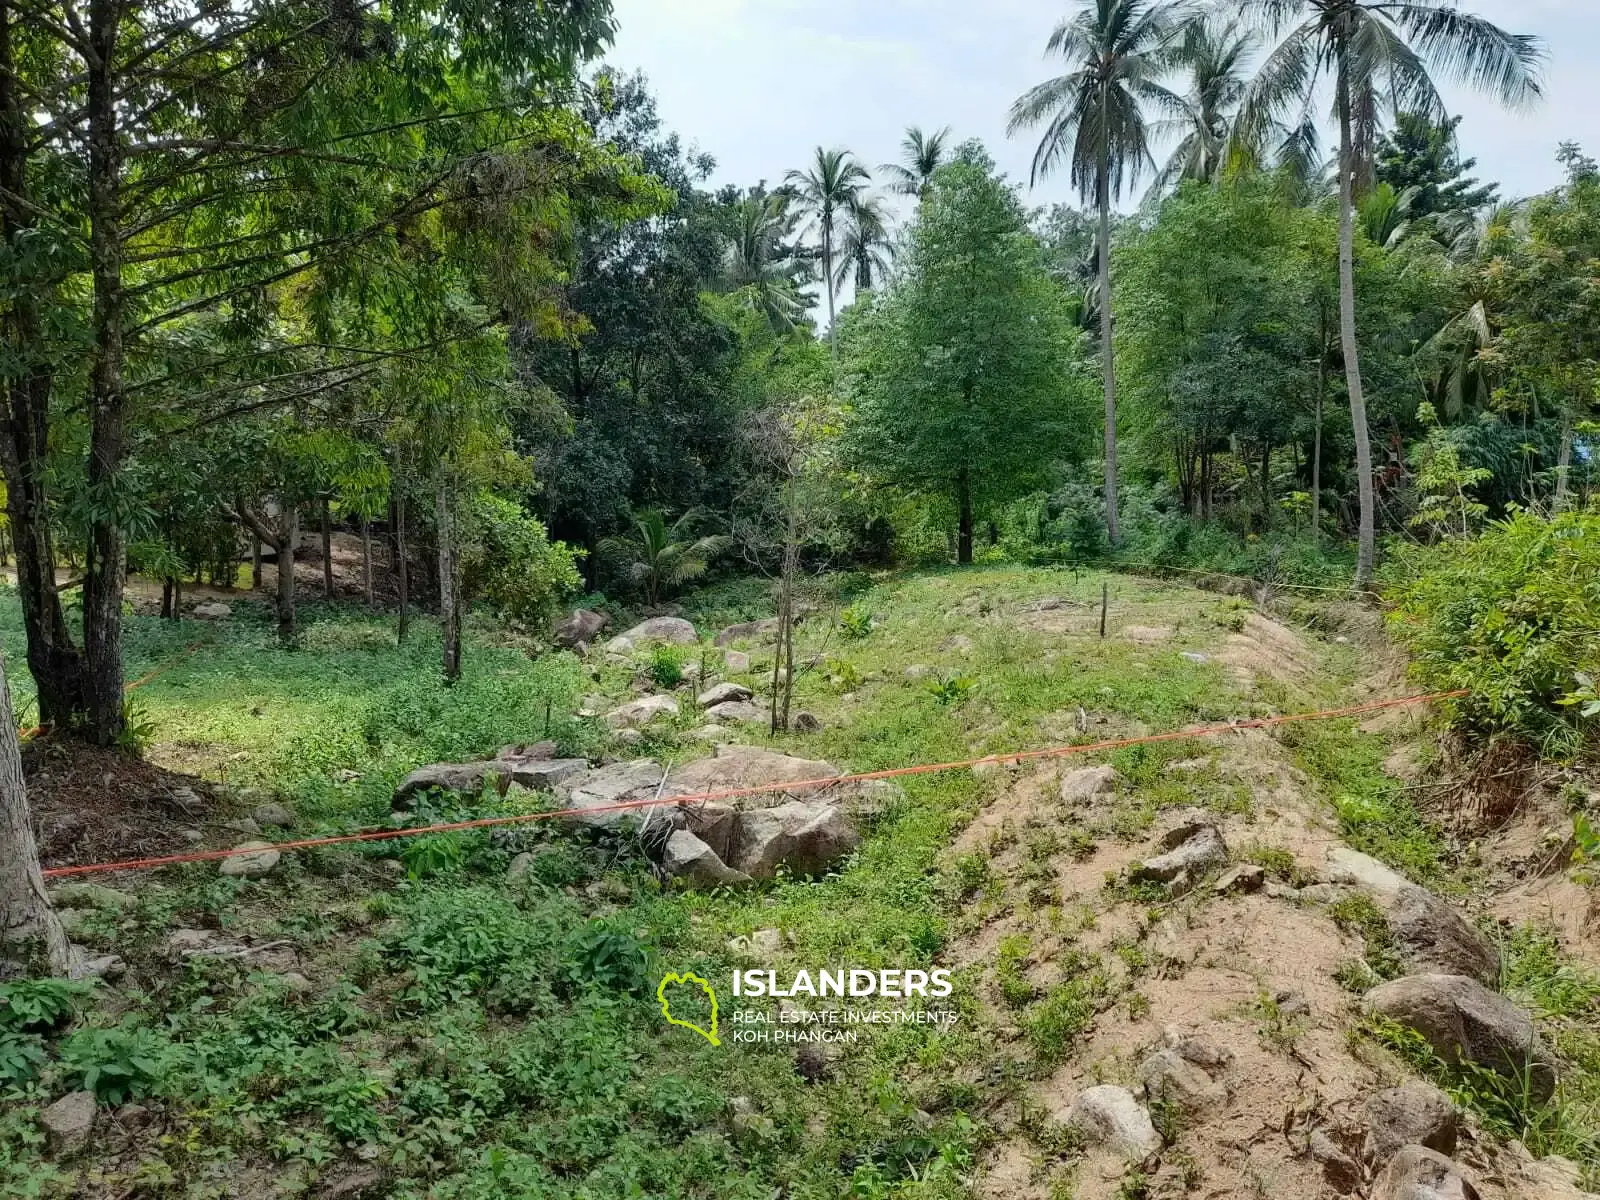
[758, 84]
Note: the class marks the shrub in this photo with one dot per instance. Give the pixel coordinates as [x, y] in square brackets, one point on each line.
[1511, 617]
[510, 561]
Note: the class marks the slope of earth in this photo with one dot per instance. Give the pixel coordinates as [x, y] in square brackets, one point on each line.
[474, 1015]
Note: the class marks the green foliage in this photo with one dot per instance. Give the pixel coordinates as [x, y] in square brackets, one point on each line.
[1510, 616]
[509, 560]
[666, 666]
[659, 558]
[855, 622]
[118, 1064]
[964, 373]
[951, 689]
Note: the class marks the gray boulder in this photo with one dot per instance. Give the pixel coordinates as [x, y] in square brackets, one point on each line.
[737, 661]
[1412, 1114]
[537, 773]
[580, 628]
[1465, 1022]
[638, 713]
[1187, 851]
[688, 858]
[1352, 867]
[618, 783]
[1417, 1173]
[251, 860]
[212, 611]
[806, 838]
[272, 816]
[1170, 1078]
[1109, 1116]
[743, 767]
[1084, 784]
[738, 711]
[1433, 936]
[746, 630]
[806, 722]
[673, 630]
[69, 1122]
[722, 693]
[1342, 1172]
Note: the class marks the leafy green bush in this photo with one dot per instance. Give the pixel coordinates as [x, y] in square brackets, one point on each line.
[119, 1064]
[1512, 617]
[510, 561]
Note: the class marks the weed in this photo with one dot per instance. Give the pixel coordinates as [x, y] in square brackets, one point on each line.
[666, 666]
[1011, 956]
[1359, 914]
[1053, 1024]
[951, 689]
[855, 622]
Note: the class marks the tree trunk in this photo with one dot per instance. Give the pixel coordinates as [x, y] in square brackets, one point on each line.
[449, 593]
[1108, 364]
[289, 526]
[1367, 546]
[1266, 486]
[167, 609]
[402, 570]
[255, 563]
[1316, 437]
[107, 560]
[1563, 461]
[327, 551]
[964, 529]
[25, 912]
[53, 660]
[783, 655]
[366, 560]
[827, 283]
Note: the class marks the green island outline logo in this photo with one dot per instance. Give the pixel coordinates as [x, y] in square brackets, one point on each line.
[666, 1005]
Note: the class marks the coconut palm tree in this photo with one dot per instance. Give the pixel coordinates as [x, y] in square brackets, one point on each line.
[1094, 117]
[1216, 54]
[822, 193]
[760, 260]
[660, 557]
[921, 155]
[864, 249]
[1378, 54]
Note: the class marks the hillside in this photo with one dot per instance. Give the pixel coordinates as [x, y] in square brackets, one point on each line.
[474, 1014]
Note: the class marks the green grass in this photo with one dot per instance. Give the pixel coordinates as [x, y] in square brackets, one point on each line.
[484, 1040]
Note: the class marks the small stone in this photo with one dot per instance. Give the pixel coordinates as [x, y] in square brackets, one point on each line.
[1291, 1004]
[631, 738]
[1338, 1168]
[251, 860]
[69, 1122]
[1246, 877]
[365, 1181]
[1187, 861]
[805, 722]
[917, 671]
[133, 1117]
[1433, 936]
[244, 825]
[688, 857]
[715, 734]
[1195, 656]
[272, 816]
[1083, 785]
[1202, 1051]
[736, 661]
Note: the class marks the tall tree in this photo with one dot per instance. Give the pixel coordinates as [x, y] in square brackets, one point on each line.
[1423, 153]
[1215, 53]
[921, 154]
[1095, 122]
[761, 259]
[1378, 53]
[964, 369]
[822, 193]
[865, 248]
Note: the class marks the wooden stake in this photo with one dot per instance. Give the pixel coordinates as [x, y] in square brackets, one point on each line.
[1105, 596]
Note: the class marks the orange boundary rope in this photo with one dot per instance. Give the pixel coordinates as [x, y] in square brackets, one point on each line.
[381, 835]
[137, 683]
